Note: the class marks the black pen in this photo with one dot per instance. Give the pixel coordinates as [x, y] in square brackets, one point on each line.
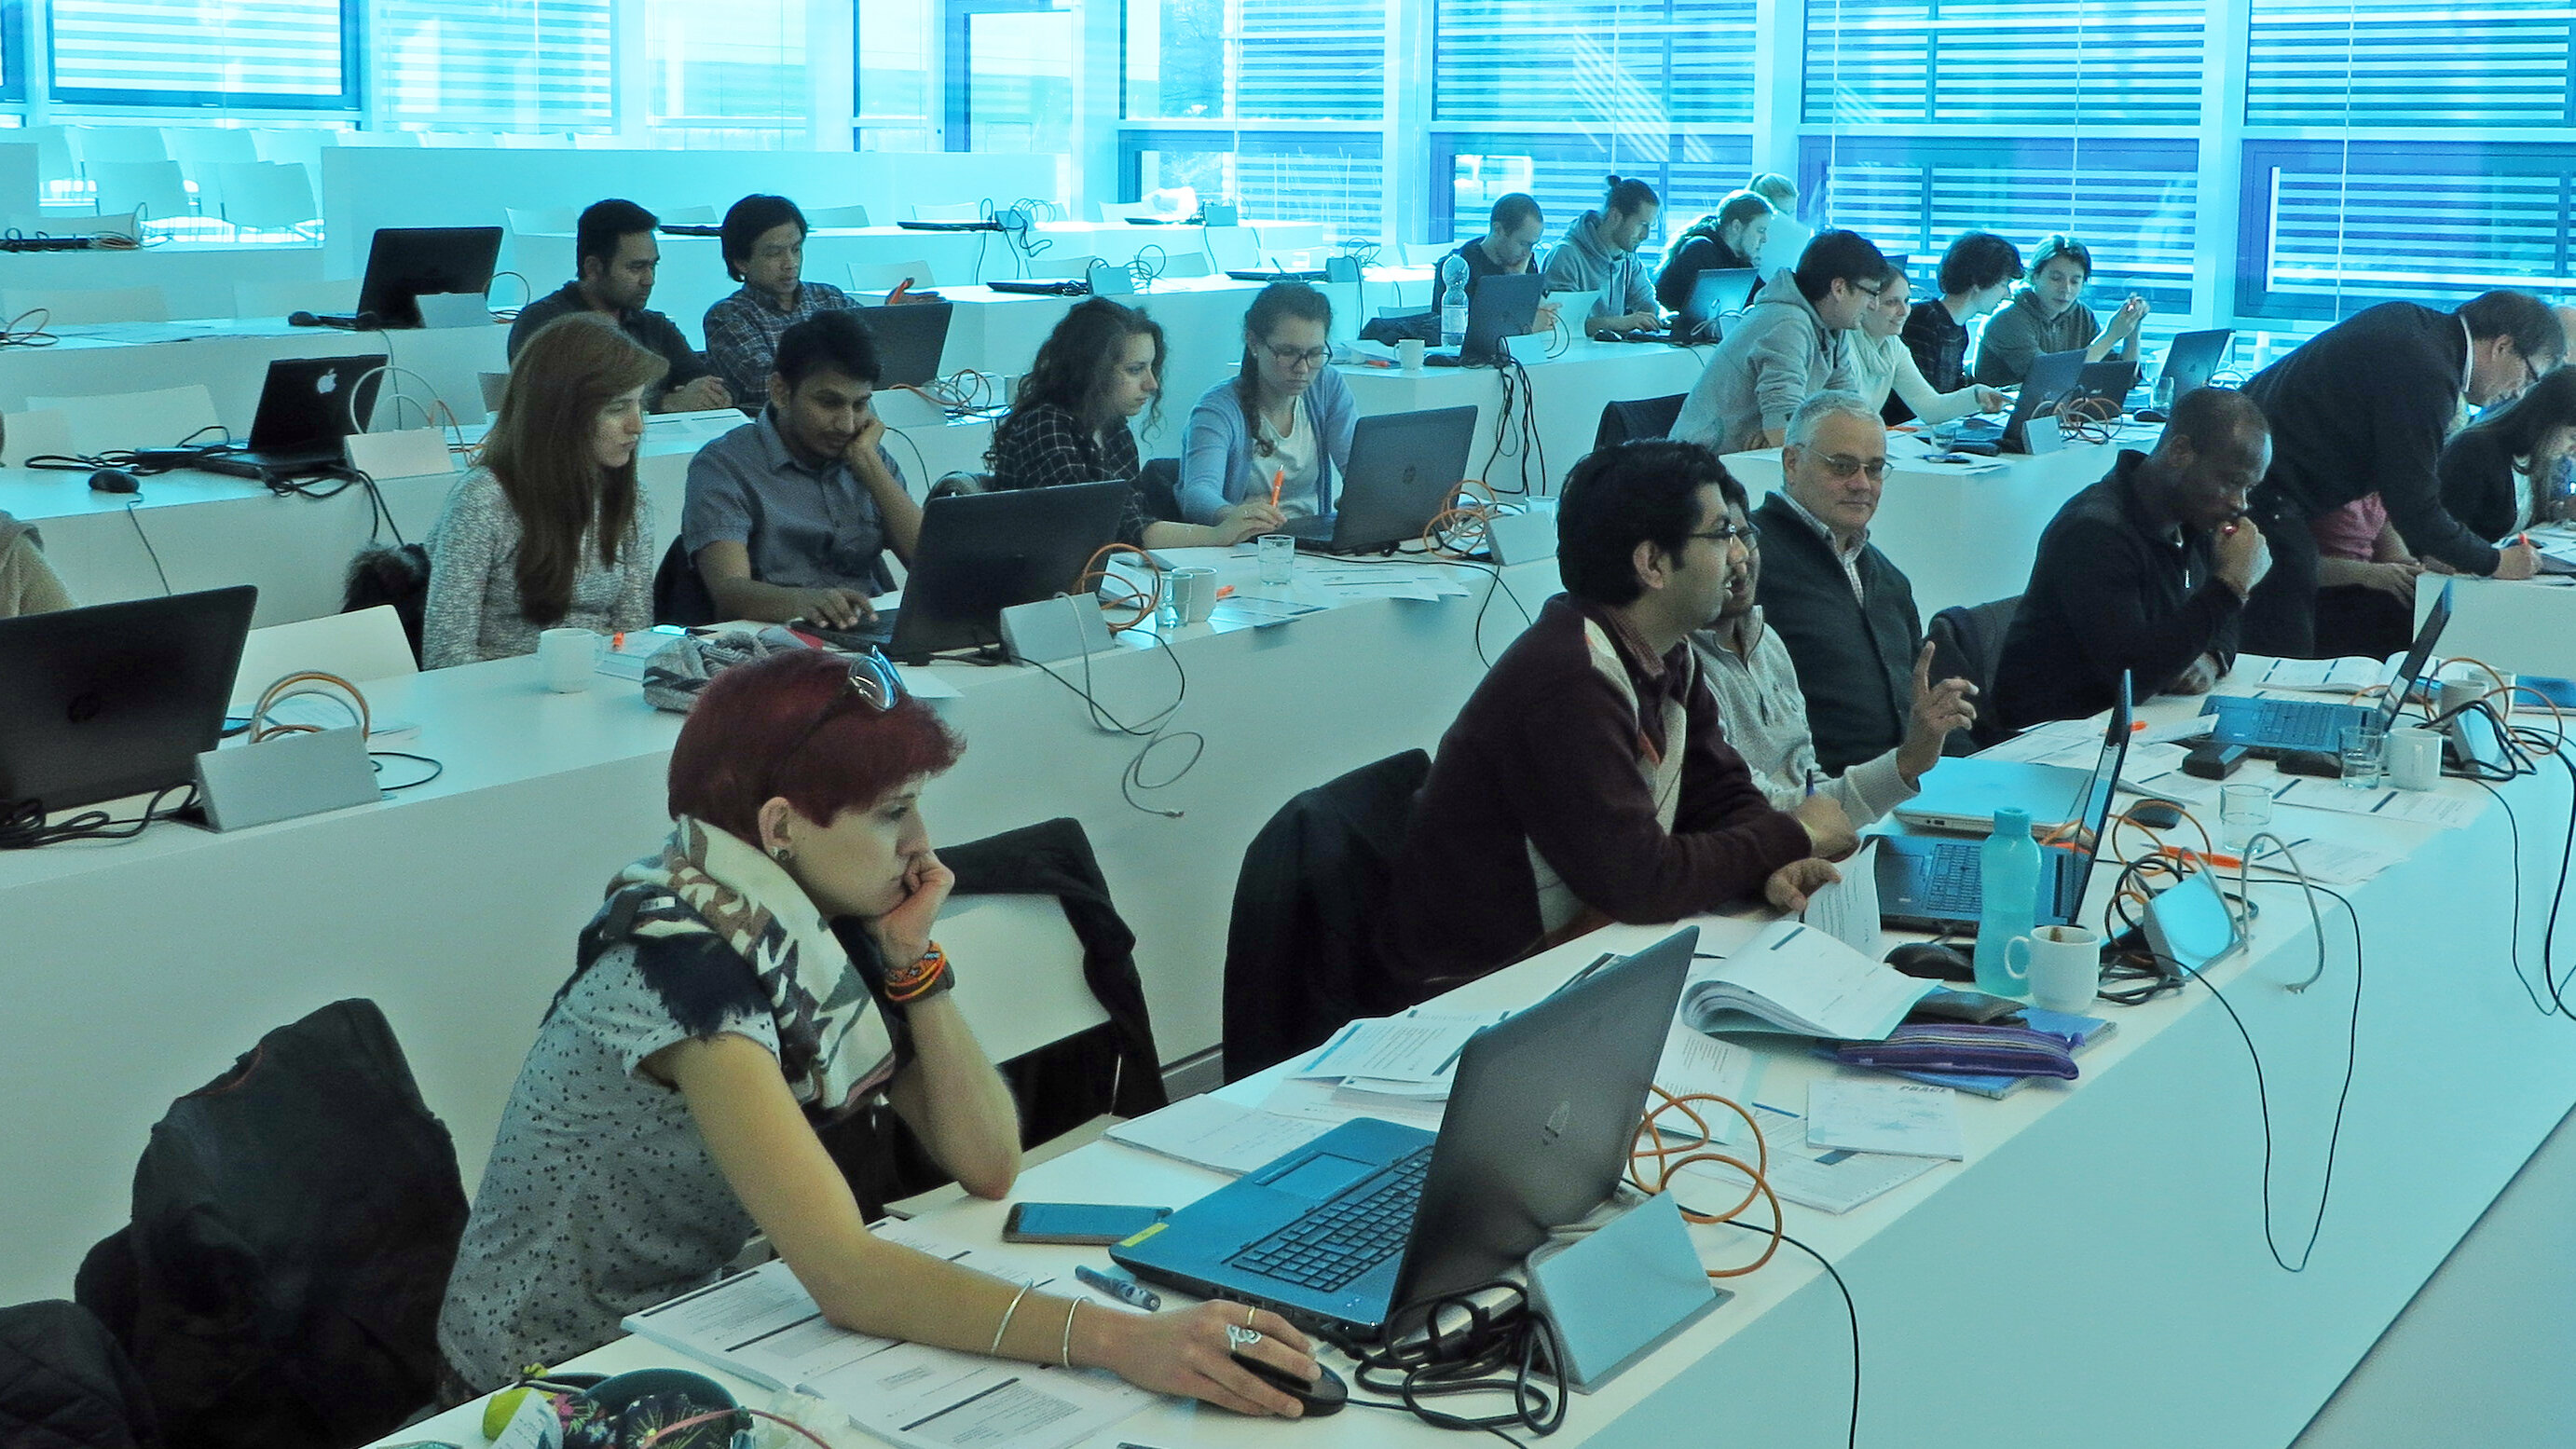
[1133, 1294]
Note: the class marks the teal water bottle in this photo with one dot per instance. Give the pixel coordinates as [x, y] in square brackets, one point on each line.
[2009, 902]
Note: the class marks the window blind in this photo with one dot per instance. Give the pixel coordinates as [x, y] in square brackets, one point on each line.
[2374, 63]
[1645, 63]
[1566, 175]
[259, 52]
[1309, 60]
[526, 65]
[744, 62]
[1338, 177]
[2019, 62]
[2329, 230]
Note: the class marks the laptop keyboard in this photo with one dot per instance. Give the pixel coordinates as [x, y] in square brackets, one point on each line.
[2297, 724]
[1342, 1239]
[1953, 880]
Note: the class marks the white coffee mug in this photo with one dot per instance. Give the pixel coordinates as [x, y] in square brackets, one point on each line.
[2065, 965]
[1194, 590]
[2414, 759]
[1409, 351]
[567, 658]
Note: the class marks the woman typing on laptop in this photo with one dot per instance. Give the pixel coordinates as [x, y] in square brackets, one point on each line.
[771, 968]
[1284, 419]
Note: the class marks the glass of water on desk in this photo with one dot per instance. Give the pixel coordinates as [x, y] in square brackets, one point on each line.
[2244, 811]
[2365, 755]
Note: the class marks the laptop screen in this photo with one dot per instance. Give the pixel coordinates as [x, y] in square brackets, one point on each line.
[2419, 654]
[2096, 814]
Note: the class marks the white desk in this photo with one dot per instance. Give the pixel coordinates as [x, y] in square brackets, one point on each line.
[197, 276]
[454, 906]
[211, 530]
[1569, 392]
[2521, 628]
[1962, 537]
[2096, 1234]
[231, 356]
[692, 276]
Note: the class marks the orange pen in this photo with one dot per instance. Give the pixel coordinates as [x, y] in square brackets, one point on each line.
[1278, 476]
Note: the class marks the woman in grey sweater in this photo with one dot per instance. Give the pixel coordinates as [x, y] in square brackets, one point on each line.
[549, 530]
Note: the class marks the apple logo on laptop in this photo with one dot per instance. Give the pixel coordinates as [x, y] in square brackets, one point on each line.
[326, 383]
[1559, 1120]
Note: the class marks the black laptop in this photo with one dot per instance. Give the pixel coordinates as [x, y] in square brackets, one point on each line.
[2191, 360]
[2274, 726]
[2053, 377]
[116, 699]
[1403, 468]
[1500, 308]
[981, 553]
[1373, 1216]
[308, 407]
[1929, 883]
[910, 338]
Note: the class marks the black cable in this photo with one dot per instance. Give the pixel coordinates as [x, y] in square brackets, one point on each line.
[1851, 1436]
[2514, 955]
[23, 827]
[2549, 937]
[1156, 732]
[436, 768]
[147, 545]
[1502, 1346]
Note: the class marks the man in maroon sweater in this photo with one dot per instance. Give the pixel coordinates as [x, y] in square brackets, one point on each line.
[1586, 780]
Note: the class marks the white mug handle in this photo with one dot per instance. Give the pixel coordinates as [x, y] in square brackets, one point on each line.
[2018, 971]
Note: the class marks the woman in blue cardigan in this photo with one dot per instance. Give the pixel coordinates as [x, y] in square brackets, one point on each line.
[1286, 416]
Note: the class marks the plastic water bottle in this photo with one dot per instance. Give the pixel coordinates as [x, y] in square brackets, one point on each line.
[2009, 903]
[1453, 300]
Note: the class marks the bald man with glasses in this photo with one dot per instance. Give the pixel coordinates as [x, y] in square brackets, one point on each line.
[1846, 613]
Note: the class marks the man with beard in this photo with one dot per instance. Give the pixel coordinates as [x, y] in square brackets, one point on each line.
[789, 517]
[1587, 780]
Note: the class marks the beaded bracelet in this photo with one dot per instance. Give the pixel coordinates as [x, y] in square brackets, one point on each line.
[907, 984]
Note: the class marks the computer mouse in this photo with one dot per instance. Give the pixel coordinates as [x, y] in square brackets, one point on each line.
[302, 319]
[1932, 961]
[1324, 1396]
[2148, 415]
[2156, 814]
[114, 480]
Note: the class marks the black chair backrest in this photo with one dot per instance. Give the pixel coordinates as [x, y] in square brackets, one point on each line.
[1303, 953]
[1158, 488]
[1645, 417]
[390, 574]
[679, 595]
[1967, 642]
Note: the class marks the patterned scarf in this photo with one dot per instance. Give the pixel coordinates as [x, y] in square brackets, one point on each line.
[708, 895]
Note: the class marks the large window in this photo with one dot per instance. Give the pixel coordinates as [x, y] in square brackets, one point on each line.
[894, 101]
[726, 73]
[2004, 62]
[1568, 174]
[284, 53]
[1244, 60]
[2375, 63]
[514, 65]
[1337, 177]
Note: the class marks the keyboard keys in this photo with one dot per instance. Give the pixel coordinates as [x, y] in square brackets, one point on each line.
[1344, 1238]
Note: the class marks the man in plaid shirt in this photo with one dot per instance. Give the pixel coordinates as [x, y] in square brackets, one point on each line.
[764, 249]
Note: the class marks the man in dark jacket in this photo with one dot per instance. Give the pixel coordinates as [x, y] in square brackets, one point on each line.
[1846, 613]
[1587, 779]
[2144, 573]
[2362, 408]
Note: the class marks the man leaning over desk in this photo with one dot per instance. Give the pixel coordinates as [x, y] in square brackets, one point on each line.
[1587, 779]
[2144, 573]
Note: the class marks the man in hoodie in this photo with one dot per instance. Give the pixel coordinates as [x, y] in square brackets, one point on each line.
[1786, 348]
[1599, 254]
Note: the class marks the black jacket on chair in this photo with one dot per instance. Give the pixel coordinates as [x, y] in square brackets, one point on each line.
[2480, 485]
[64, 1383]
[1304, 952]
[1855, 663]
[295, 1221]
[1113, 1067]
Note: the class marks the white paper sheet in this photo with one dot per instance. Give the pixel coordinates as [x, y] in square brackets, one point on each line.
[1418, 1046]
[2416, 807]
[1695, 1062]
[1828, 1179]
[1911, 1119]
[1209, 1132]
[1847, 910]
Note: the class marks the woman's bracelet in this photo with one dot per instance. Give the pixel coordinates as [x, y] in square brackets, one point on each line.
[910, 983]
[1004, 1326]
[1064, 1350]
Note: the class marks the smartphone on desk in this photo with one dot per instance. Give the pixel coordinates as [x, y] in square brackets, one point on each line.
[1082, 1224]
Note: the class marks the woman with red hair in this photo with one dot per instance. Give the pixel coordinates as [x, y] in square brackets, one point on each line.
[772, 967]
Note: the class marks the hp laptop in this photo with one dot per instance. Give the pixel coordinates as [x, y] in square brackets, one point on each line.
[910, 338]
[981, 553]
[1403, 467]
[1930, 884]
[405, 263]
[1341, 1234]
[116, 699]
[2271, 726]
[1502, 306]
[308, 407]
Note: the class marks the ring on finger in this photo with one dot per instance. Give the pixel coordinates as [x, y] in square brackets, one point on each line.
[1240, 1337]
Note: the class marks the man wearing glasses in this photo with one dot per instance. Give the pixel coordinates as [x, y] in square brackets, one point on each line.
[1756, 684]
[1845, 612]
[2143, 574]
[1786, 348]
[2363, 408]
[1588, 779]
